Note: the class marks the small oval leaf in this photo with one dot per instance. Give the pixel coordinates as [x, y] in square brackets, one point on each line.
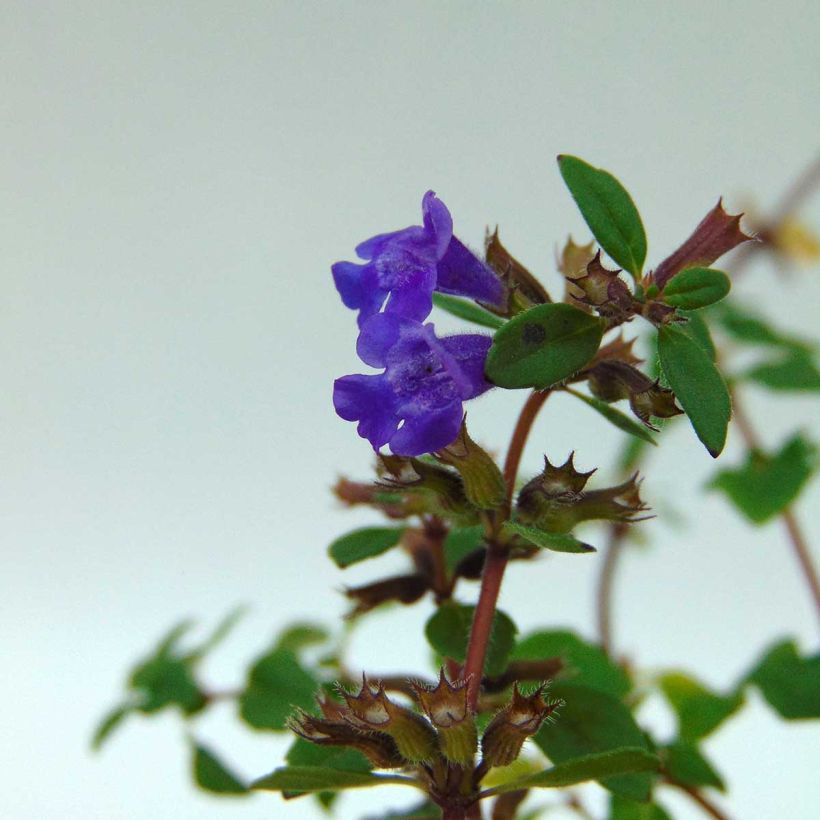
[695, 288]
[609, 211]
[555, 541]
[616, 417]
[698, 385]
[543, 346]
[364, 543]
[305, 779]
[467, 310]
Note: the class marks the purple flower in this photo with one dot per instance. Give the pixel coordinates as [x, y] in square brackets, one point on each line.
[415, 405]
[408, 265]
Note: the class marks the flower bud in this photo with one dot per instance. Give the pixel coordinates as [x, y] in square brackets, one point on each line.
[373, 710]
[449, 711]
[521, 718]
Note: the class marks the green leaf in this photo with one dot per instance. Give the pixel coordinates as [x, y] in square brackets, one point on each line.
[166, 681]
[797, 371]
[364, 543]
[460, 543]
[766, 484]
[306, 779]
[699, 710]
[616, 417]
[685, 763]
[622, 808]
[585, 663]
[695, 288]
[465, 309]
[744, 326]
[557, 542]
[590, 767]
[276, 684]
[297, 636]
[698, 386]
[304, 753]
[211, 774]
[698, 331]
[592, 721]
[543, 346]
[109, 723]
[223, 629]
[608, 210]
[448, 630]
[790, 683]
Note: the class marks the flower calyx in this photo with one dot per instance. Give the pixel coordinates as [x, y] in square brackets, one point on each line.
[447, 707]
[614, 380]
[483, 483]
[557, 501]
[605, 291]
[521, 718]
[372, 711]
[523, 290]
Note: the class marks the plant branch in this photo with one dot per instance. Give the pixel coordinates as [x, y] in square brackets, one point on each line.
[612, 553]
[707, 805]
[497, 555]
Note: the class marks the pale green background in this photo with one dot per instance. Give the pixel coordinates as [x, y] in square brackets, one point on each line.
[177, 179]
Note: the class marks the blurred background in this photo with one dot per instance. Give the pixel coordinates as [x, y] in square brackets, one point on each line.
[178, 178]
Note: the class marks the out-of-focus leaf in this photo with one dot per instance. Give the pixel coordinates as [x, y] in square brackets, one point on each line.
[211, 774]
[297, 636]
[585, 663]
[304, 753]
[744, 325]
[622, 808]
[698, 385]
[467, 310]
[543, 346]
[460, 543]
[608, 210]
[685, 763]
[590, 767]
[276, 684]
[223, 629]
[766, 484]
[795, 372]
[367, 542]
[699, 710]
[166, 681]
[554, 541]
[593, 721]
[448, 630]
[789, 682]
[109, 723]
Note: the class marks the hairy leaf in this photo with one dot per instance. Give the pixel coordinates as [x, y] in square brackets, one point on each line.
[608, 210]
[306, 779]
[543, 346]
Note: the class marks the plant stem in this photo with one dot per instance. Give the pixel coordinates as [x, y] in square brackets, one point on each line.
[612, 553]
[497, 555]
[707, 805]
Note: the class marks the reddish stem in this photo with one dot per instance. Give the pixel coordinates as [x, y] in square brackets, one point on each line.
[496, 560]
[707, 805]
